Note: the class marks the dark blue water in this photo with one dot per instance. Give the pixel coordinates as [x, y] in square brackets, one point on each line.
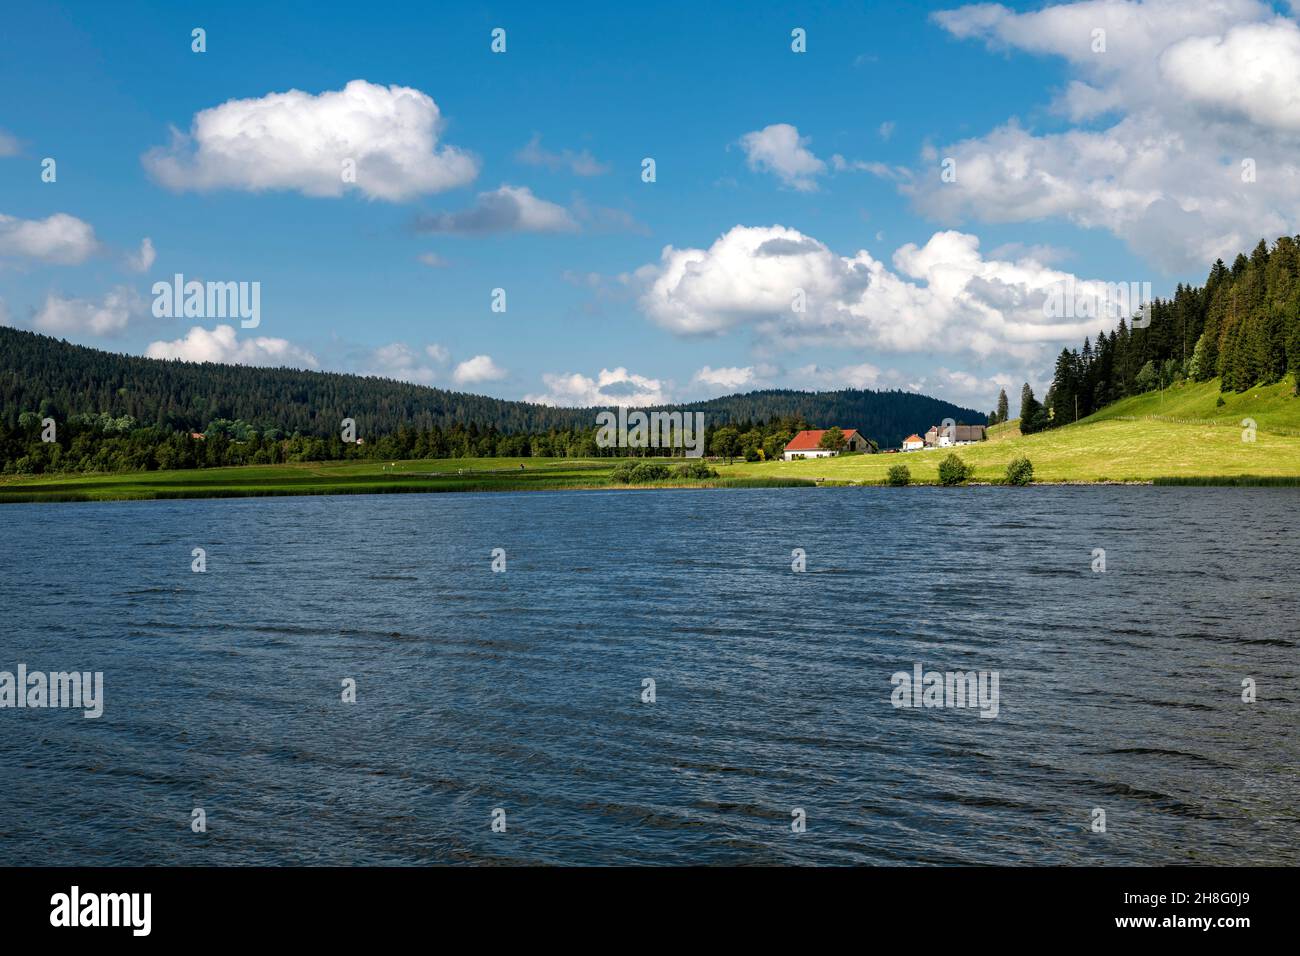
[522, 691]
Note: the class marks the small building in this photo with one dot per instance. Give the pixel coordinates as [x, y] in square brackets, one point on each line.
[941, 436]
[198, 436]
[913, 443]
[807, 444]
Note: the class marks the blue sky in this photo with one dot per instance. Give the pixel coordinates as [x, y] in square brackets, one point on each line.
[817, 171]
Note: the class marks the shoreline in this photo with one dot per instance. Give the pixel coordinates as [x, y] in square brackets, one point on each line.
[33, 495]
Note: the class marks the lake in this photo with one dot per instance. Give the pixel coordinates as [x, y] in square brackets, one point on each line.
[522, 690]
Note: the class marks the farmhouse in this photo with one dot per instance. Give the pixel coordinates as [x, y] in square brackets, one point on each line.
[807, 444]
[913, 443]
[944, 436]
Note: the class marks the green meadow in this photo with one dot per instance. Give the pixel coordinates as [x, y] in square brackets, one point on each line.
[1179, 436]
[337, 478]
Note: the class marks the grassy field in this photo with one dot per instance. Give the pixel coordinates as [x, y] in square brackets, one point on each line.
[1274, 408]
[1178, 434]
[333, 478]
[1181, 435]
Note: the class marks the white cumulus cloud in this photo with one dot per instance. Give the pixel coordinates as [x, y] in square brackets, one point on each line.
[615, 386]
[478, 369]
[59, 239]
[300, 141]
[110, 315]
[780, 150]
[975, 390]
[1193, 113]
[731, 378]
[1252, 71]
[222, 344]
[944, 296]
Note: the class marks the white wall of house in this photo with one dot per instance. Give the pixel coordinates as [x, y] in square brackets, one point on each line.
[811, 453]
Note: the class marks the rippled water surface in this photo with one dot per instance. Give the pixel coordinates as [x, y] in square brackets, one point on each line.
[476, 690]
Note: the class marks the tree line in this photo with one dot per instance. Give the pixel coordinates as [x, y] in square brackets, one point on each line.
[38, 444]
[119, 412]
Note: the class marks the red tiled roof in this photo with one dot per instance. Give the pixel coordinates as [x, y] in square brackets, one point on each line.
[808, 440]
[911, 438]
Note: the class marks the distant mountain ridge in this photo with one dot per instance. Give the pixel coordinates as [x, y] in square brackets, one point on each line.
[43, 374]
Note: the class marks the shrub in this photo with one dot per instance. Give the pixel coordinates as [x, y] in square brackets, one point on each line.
[695, 469]
[639, 472]
[1219, 402]
[899, 475]
[1020, 471]
[651, 471]
[953, 471]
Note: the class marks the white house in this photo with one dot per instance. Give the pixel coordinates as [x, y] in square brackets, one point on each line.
[941, 436]
[807, 444]
[913, 443]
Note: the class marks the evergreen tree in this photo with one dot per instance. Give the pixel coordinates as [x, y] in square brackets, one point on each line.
[1033, 417]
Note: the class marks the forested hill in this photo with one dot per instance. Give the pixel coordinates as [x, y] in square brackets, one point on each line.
[886, 417]
[1241, 327]
[50, 376]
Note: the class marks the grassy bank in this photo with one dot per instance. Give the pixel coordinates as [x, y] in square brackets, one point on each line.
[345, 478]
[1100, 451]
[1179, 436]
